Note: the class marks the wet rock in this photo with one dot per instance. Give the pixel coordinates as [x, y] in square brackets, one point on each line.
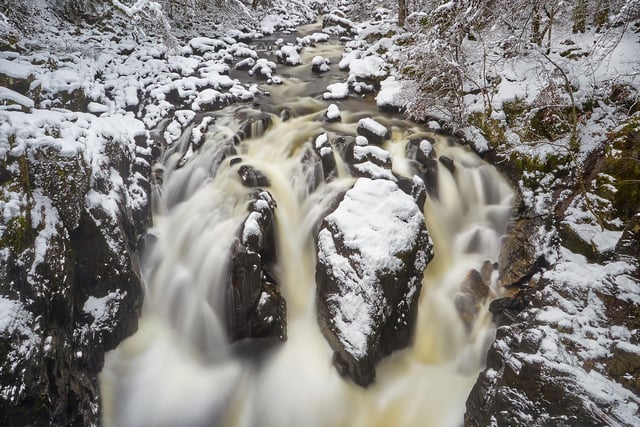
[254, 306]
[474, 291]
[332, 114]
[372, 251]
[254, 123]
[519, 259]
[69, 289]
[425, 163]
[320, 64]
[415, 188]
[323, 148]
[448, 163]
[252, 177]
[374, 131]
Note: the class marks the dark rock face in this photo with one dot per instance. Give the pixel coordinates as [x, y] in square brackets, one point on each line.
[69, 284]
[252, 177]
[372, 251]
[424, 163]
[567, 344]
[518, 259]
[324, 150]
[254, 306]
[474, 291]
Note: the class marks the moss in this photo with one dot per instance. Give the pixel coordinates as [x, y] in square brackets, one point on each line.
[19, 235]
[551, 123]
[492, 129]
[622, 161]
[514, 111]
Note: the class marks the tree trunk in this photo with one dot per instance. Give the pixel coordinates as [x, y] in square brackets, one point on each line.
[402, 12]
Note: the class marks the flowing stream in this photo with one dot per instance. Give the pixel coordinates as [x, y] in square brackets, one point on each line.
[179, 369]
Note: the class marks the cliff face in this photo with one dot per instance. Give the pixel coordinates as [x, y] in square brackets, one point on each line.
[73, 201]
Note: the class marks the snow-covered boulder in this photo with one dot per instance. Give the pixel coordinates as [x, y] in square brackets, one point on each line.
[336, 23]
[336, 91]
[263, 68]
[254, 306]
[333, 114]
[320, 64]
[289, 55]
[372, 251]
[374, 131]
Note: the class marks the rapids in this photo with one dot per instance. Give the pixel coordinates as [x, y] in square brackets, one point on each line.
[179, 368]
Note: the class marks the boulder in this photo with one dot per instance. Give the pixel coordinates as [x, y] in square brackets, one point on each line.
[254, 306]
[323, 149]
[374, 131]
[424, 163]
[372, 252]
[252, 177]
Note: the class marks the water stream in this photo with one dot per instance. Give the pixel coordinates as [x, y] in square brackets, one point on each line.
[179, 368]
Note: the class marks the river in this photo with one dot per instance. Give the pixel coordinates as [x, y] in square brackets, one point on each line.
[180, 368]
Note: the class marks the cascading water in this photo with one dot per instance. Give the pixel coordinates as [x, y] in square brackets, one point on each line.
[180, 368]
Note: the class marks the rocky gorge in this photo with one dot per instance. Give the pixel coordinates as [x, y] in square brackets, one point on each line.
[85, 168]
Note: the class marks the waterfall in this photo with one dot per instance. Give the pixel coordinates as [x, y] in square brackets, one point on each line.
[180, 368]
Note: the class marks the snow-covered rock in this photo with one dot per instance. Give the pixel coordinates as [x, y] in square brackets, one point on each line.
[374, 131]
[372, 251]
[333, 113]
[320, 64]
[336, 91]
[289, 55]
[254, 306]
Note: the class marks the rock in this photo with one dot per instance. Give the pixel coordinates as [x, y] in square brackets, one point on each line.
[473, 292]
[254, 306]
[245, 64]
[519, 259]
[289, 55]
[339, 24]
[333, 114]
[254, 124]
[425, 164]
[320, 64]
[323, 149]
[448, 163]
[372, 251]
[252, 177]
[629, 244]
[375, 132]
[70, 289]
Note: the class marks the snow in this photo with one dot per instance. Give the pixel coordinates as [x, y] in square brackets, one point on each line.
[251, 227]
[102, 309]
[370, 67]
[363, 152]
[336, 91]
[289, 55]
[13, 96]
[333, 112]
[393, 93]
[373, 126]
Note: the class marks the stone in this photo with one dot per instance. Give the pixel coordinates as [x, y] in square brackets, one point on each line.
[254, 306]
[252, 177]
[372, 252]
